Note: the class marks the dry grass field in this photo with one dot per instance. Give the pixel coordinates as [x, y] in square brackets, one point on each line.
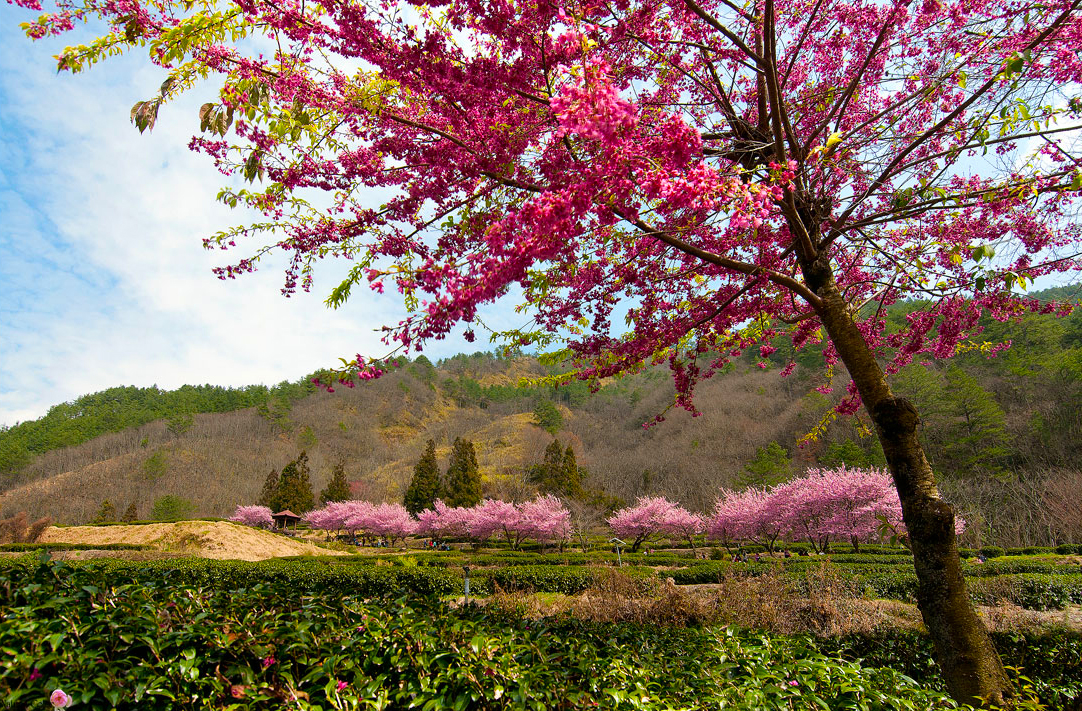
[207, 539]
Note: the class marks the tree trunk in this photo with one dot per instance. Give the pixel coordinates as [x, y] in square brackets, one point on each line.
[968, 659]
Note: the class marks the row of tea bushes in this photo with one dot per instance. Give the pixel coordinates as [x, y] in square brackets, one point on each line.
[1052, 661]
[1033, 585]
[1034, 591]
[29, 547]
[326, 574]
[441, 559]
[164, 645]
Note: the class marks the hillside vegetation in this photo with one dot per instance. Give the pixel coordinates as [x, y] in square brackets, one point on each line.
[1004, 432]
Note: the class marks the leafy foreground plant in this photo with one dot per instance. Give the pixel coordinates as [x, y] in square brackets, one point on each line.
[156, 645]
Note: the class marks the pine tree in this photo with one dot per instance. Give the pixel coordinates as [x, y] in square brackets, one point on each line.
[979, 427]
[570, 479]
[130, 514]
[106, 513]
[338, 488]
[463, 477]
[559, 472]
[267, 497]
[424, 487]
[295, 487]
[547, 416]
[547, 474]
[770, 466]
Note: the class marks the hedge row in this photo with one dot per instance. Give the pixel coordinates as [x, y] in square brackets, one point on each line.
[997, 566]
[27, 547]
[315, 575]
[451, 560]
[1029, 590]
[1034, 591]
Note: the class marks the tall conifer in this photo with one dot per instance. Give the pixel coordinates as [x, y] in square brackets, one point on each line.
[424, 487]
[338, 488]
[295, 487]
[570, 480]
[463, 476]
[270, 490]
[106, 513]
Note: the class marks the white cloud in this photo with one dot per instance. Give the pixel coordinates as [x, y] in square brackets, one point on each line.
[101, 261]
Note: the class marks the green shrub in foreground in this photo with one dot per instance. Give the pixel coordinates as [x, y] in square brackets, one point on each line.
[1053, 661]
[163, 645]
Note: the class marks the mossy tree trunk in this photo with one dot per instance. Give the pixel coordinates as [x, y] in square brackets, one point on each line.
[966, 655]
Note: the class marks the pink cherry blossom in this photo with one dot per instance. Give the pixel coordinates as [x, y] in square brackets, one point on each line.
[257, 516]
[60, 700]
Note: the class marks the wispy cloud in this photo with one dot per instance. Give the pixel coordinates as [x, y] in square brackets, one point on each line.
[102, 271]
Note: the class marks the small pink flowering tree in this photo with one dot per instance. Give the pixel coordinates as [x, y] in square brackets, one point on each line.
[640, 522]
[680, 524]
[495, 517]
[745, 515]
[390, 521]
[256, 516]
[321, 520]
[349, 515]
[443, 521]
[545, 519]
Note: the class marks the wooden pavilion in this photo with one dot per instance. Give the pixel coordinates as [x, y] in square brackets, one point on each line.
[282, 519]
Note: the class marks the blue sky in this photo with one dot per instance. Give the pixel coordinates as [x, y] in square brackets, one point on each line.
[103, 275]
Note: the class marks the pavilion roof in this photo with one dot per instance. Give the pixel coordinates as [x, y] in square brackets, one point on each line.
[287, 514]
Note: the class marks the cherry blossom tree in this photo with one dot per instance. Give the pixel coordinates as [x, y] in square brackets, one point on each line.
[339, 515]
[257, 516]
[545, 519]
[644, 520]
[745, 515]
[494, 517]
[443, 521]
[390, 521]
[718, 173]
[680, 524]
[818, 507]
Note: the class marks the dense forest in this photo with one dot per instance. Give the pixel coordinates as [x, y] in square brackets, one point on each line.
[1004, 432]
[120, 408]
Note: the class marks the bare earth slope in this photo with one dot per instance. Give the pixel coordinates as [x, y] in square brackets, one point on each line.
[207, 539]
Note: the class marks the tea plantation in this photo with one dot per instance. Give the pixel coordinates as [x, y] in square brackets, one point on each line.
[379, 632]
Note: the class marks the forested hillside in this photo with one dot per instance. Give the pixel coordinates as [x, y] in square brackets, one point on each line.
[1005, 432]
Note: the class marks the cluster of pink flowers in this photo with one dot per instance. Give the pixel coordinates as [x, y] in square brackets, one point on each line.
[257, 516]
[543, 519]
[821, 506]
[655, 515]
[388, 521]
[590, 106]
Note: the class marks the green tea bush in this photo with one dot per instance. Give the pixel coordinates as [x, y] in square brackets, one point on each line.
[162, 644]
[1009, 566]
[1053, 660]
[26, 547]
[1032, 591]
